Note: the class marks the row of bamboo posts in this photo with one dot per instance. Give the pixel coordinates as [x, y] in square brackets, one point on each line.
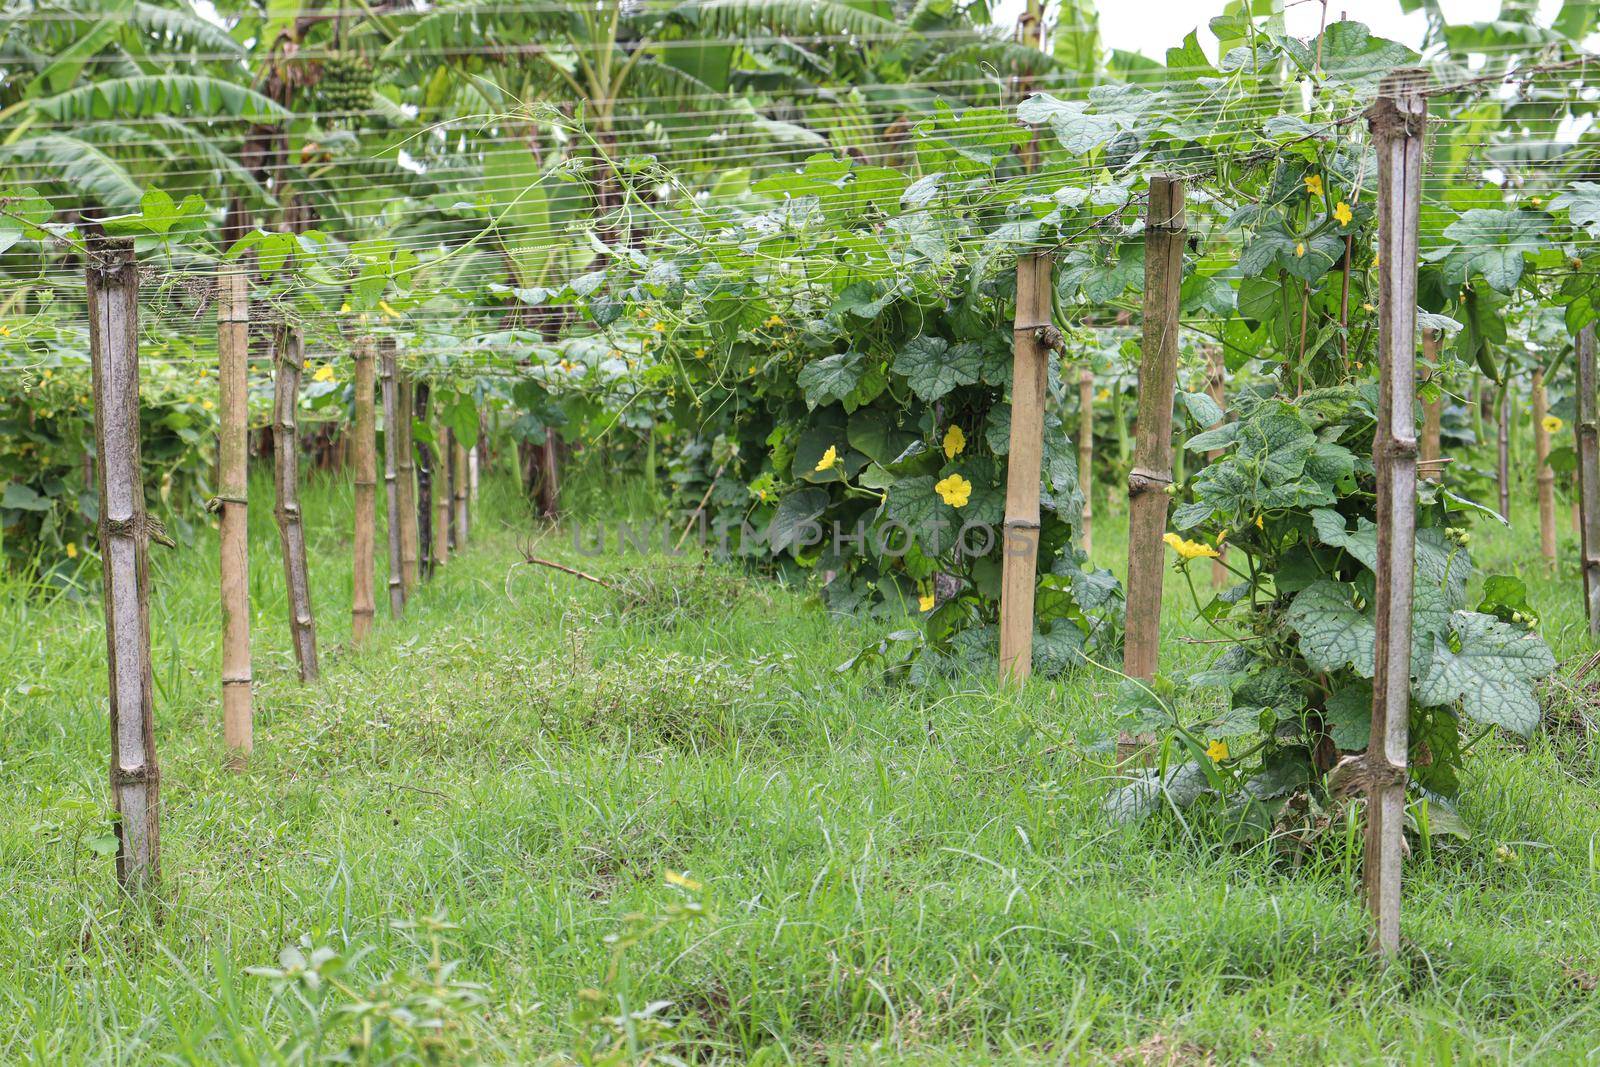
[427, 516]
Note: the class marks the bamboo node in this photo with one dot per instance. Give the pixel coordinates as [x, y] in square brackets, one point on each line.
[235, 680]
[216, 502]
[1050, 338]
[1144, 480]
[1364, 775]
[148, 774]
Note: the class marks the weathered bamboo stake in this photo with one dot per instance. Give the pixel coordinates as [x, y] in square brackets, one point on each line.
[1503, 451]
[289, 349]
[1546, 476]
[459, 487]
[1216, 385]
[405, 404]
[441, 495]
[475, 456]
[391, 475]
[366, 492]
[1432, 410]
[1398, 121]
[233, 347]
[1588, 431]
[113, 290]
[1024, 460]
[1152, 450]
[550, 480]
[1086, 453]
[425, 535]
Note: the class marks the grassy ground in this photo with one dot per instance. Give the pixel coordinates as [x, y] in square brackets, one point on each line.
[479, 812]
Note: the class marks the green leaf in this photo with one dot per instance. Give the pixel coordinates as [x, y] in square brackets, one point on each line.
[1492, 243]
[1334, 633]
[933, 366]
[1348, 716]
[1581, 202]
[23, 498]
[791, 523]
[197, 95]
[1490, 667]
[828, 380]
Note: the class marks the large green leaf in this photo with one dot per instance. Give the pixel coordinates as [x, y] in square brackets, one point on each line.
[1490, 667]
[1493, 243]
[933, 366]
[161, 94]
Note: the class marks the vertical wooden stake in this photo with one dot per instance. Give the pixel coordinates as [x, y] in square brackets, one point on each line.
[1024, 462]
[1432, 411]
[289, 349]
[1216, 386]
[550, 475]
[1398, 121]
[441, 495]
[405, 403]
[1503, 452]
[1546, 476]
[1152, 451]
[391, 475]
[233, 349]
[113, 288]
[1588, 431]
[366, 492]
[1086, 454]
[425, 536]
[458, 488]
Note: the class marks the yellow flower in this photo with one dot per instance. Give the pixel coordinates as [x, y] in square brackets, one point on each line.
[752, 368]
[954, 442]
[344, 308]
[954, 490]
[5, 331]
[1551, 424]
[1537, 201]
[1188, 550]
[208, 405]
[700, 353]
[1300, 248]
[925, 602]
[1342, 213]
[1375, 256]
[1368, 306]
[1260, 525]
[829, 459]
[324, 373]
[1217, 750]
[388, 310]
[1313, 185]
[659, 327]
[774, 320]
[72, 550]
[1104, 394]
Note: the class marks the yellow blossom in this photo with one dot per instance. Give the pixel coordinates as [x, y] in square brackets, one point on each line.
[388, 310]
[774, 320]
[752, 368]
[1217, 751]
[1104, 394]
[1313, 185]
[954, 490]
[1342, 213]
[324, 373]
[925, 602]
[1260, 525]
[1188, 550]
[954, 442]
[344, 308]
[208, 405]
[700, 353]
[659, 327]
[1537, 201]
[1368, 306]
[5, 331]
[829, 459]
[1300, 248]
[1551, 424]
[48, 374]
[72, 550]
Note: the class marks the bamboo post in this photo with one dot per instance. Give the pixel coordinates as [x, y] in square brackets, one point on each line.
[1398, 121]
[1024, 461]
[1431, 451]
[1546, 476]
[112, 279]
[233, 349]
[459, 489]
[425, 536]
[441, 496]
[1503, 451]
[1086, 453]
[550, 476]
[1588, 431]
[391, 475]
[289, 349]
[1216, 386]
[1152, 450]
[405, 403]
[366, 490]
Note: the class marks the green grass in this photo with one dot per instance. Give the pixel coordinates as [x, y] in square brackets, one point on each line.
[890, 876]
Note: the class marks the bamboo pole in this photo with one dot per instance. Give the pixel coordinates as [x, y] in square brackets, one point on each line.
[1432, 410]
[441, 495]
[391, 475]
[1152, 450]
[1086, 454]
[1216, 385]
[1398, 121]
[425, 535]
[406, 403]
[550, 475]
[289, 349]
[233, 346]
[459, 478]
[1546, 476]
[1503, 450]
[1587, 428]
[1024, 460]
[364, 447]
[112, 279]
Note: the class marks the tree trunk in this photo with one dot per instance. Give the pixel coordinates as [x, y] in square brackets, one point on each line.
[1024, 459]
[1086, 454]
[233, 349]
[1398, 119]
[1546, 476]
[289, 348]
[1588, 431]
[391, 476]
[364, 447]
[1152, 454]
[113, 293]
[406, 403]
[425, 536]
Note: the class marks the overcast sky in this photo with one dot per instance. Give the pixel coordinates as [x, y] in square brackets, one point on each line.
[1153, 26]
